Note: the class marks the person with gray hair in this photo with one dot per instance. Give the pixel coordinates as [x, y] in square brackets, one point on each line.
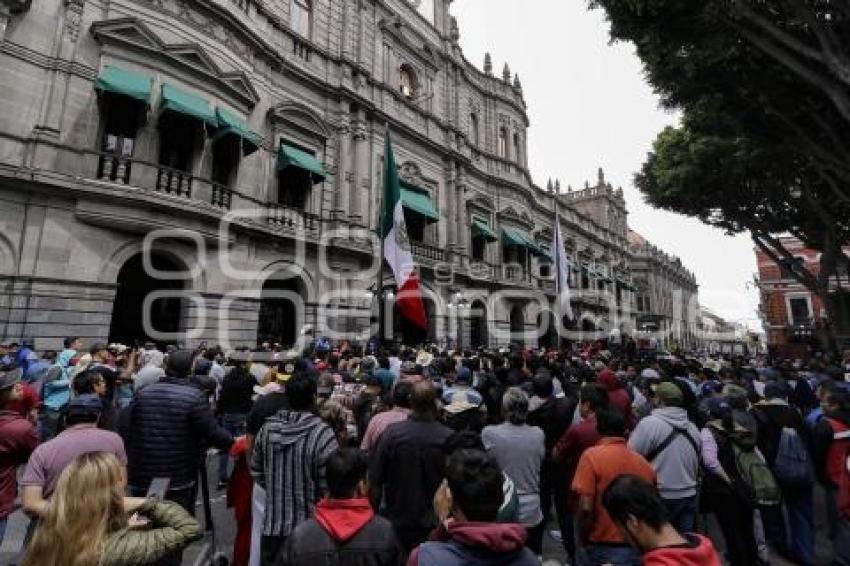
[519, 449]
[150, 368]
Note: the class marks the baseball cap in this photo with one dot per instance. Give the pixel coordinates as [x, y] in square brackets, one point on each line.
[10, 378]
[85, 405]
[718, 407]
[669, 393]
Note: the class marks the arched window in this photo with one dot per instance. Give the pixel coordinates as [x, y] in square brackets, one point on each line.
[407, 83]
[503, 143]
[302, 15]
[473, 129]
[517, 149]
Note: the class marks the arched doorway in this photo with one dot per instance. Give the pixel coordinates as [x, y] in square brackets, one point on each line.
[134, 284]
[517, 325]
[549, 338]
[282, 309]
[478, 337]
[408, 334]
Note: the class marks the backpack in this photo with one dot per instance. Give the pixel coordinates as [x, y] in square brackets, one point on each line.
[793, 466]
[755, 478]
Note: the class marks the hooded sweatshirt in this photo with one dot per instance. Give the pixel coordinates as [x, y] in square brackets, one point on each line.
[483, 544]
[678, 464]
[343, 518]
[288, 461]
[617, 396]
[697, 552]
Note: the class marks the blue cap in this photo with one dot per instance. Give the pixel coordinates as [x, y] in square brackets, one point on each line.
[718, 407]
[85, 404]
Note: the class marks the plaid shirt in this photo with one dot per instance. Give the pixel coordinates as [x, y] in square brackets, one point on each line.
[288, 461]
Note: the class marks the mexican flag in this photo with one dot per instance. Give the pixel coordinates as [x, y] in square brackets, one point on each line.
[393, 232]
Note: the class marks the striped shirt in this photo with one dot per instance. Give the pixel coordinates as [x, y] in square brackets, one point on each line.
[288, 461]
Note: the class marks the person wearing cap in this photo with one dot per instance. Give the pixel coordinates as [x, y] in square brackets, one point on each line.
[671, 443]
[463, 409]
[773, 416]
[18, 439]
[80, 436]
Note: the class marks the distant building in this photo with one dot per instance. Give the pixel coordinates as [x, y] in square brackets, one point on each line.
[719, 336]
[794, 318]
[666, 300]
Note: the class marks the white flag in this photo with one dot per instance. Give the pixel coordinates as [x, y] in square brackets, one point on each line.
[562, 271]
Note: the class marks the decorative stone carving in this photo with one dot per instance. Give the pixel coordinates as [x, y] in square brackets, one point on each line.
[488, 64]
[73, 18]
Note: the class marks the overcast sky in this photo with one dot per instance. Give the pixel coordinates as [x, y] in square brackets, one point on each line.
[590, 107]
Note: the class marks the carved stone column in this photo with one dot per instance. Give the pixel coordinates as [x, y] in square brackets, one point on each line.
[344, 175]
[461, 224]
[449, 209]
[361, 167]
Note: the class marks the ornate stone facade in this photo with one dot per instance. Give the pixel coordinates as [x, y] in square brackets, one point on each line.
[87, 188]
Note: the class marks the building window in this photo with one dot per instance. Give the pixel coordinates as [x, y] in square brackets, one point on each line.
[473, 129]
[294, 184]
[415, 226]
[799, 311]
[545, 270]
[517, 149]
[503, 143]
[179, 140]
[478, 246]
[407, 83]
[226, 153]
[122, 117]
[302, 14]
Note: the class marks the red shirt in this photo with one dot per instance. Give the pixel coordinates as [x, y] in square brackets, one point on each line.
[598, 467]
[574, 442]
[17, 441]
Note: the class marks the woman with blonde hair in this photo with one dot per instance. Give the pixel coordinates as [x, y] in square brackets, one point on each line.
[89, 522]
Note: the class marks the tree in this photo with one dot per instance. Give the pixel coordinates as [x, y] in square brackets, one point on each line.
[764, 145]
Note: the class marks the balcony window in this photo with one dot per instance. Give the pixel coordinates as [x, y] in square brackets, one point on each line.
[179, 142]
[479, 246]
[297, 171]
[302, 15]
[517, 149]
[545, 270]
[415, 226]
[473, 129]
[226, 154]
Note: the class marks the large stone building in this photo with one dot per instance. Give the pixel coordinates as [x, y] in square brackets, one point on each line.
[205, 169]
[666, 301]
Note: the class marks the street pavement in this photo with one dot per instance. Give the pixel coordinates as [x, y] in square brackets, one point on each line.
[198, 554]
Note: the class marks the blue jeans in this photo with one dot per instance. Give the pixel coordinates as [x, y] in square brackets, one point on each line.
[3, 528]
[800, 528]
[234, 423]
[682, 513]
[599, 554]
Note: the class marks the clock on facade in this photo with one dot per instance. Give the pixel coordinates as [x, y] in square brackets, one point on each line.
[424, 7]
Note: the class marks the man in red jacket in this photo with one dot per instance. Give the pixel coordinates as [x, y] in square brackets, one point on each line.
[17, 441]
[637, 509]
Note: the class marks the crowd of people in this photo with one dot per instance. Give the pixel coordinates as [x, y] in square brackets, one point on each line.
[390, 455]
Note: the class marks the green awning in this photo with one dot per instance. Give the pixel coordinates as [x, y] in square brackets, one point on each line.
[181, 102]
[126, 83]
[626, 285]
[545, 253]
[230, 124]
[480, 229]
[518, 238]
[417, 201]
[289, 156]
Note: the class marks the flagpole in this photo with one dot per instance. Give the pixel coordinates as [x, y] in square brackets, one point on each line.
[380, 282]
[559, 241]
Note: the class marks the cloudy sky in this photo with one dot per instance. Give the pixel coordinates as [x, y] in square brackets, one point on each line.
[590, 107]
